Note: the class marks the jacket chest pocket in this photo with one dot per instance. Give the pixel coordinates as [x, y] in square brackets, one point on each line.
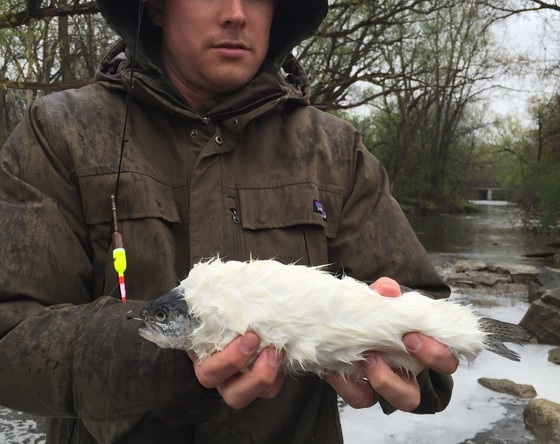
[287, 222]
[147, 215]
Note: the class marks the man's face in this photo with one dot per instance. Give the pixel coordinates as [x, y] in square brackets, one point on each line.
[212, 46]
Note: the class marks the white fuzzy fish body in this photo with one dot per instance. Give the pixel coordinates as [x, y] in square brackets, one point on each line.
[320, 321]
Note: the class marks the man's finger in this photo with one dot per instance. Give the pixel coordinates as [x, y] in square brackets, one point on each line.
[431, 353]
[357, 394]
[263, 380]
[401, 391]
[221, 366]
[386, 287]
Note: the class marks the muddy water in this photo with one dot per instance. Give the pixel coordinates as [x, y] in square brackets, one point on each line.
[497, 233]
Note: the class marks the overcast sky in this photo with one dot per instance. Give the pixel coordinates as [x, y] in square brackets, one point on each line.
[533, 35]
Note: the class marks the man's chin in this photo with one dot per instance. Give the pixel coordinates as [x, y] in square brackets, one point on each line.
[230, 79]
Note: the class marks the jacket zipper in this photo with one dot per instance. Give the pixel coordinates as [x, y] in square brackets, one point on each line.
[234, 215]
[236, 234]
[174, 100]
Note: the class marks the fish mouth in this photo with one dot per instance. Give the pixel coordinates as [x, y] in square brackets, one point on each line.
[150, 331]
[149, 328]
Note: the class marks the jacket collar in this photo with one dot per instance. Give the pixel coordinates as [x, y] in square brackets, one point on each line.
[265, 90]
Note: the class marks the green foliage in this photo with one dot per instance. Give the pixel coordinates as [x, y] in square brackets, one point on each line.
[546, 186]
[530, 159]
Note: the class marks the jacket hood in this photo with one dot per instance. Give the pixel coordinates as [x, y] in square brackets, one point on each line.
[293, 22]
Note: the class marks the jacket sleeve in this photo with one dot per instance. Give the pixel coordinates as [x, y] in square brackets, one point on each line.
[374, 239]
[63, 353]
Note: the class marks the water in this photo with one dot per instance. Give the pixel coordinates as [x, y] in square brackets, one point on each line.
[494, 234]
[16, 427]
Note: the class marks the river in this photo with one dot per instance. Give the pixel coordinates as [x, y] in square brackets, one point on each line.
[495, 234]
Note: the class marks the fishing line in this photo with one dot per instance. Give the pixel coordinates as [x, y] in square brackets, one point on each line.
[141, 5]
[119, 253]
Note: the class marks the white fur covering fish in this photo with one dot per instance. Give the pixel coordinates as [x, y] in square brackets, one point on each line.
[320, 321]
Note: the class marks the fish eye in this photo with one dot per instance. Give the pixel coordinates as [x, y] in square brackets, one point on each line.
[160, 315]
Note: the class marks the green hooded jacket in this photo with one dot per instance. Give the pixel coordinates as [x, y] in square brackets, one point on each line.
[243, 180]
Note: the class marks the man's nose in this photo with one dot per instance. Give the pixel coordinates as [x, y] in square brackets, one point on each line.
[233, 13]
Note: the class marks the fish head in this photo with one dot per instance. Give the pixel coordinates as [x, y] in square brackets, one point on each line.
[168, 321]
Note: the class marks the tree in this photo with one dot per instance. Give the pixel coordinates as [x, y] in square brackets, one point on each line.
[534, 175]
[44, 47]
[530, 159]
[344, 59]
[510, 7]
[439, 63]
[541, 182]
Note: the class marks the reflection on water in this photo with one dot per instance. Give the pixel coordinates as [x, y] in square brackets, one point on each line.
[495, 234]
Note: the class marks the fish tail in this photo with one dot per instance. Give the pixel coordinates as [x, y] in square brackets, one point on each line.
[499, 332]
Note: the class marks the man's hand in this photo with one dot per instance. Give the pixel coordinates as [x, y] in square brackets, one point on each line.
[400, 390]
[224, 371]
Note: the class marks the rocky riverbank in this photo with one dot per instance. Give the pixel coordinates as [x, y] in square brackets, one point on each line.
[540, 417]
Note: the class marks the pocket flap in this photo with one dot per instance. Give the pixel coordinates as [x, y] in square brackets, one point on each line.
[288, 205]
[139, 196]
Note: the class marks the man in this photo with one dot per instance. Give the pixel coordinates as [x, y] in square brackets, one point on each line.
[223, 156]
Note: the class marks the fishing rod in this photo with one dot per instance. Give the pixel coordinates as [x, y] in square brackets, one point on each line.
[119, 252]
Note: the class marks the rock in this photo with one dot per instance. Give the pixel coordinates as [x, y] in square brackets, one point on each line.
[554, 356]
[552, 297]
[549, 278]
[465, 265]
[473, 279]
[520, 274]
[508, 387]
[491, 279]
[535, 292]
[461, 281]
[542, 419]
[542, 320]
[504, 277]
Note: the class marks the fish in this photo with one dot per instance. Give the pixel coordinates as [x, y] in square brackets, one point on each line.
[323, 323]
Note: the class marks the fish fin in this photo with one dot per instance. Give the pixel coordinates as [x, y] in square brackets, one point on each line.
[498, 332]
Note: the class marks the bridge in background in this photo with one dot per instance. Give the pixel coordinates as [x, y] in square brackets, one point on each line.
[490, 190]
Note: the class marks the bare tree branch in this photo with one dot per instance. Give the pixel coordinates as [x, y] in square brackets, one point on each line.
[33, 13]
[44, 86]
